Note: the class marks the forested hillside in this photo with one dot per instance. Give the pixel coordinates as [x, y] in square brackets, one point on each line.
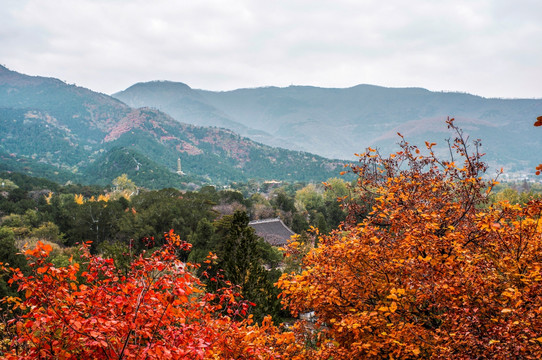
[123, 220]
[57, 129]
[338, 123]
[428, 261]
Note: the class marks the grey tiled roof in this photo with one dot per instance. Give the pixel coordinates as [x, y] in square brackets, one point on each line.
[272, 230]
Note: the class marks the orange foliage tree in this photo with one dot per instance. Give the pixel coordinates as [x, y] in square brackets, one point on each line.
[538, 122]
[429, 272]
[159, 310]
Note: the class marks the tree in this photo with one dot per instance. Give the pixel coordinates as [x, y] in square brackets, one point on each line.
[203, 241]
[47, 231]
[538, 122]
[157, 311]
[309, 198]
[335, 188]
[429, 272]
[336, 193]
[124, 186]
[244, 257]
[9, 254]
[7, 185]
[97, 221]
[281, 200]
[168, 209]
[299, 223]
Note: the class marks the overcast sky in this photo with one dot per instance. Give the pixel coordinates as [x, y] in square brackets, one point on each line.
[491, 48]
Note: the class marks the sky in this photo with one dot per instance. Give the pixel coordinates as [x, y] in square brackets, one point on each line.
[491, 48]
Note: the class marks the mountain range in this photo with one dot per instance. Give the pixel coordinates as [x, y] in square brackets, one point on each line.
[51, 129]
[337, 123]
[65, 132]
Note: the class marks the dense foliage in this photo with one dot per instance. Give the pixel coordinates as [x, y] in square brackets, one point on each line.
[125, 220]
[430, 272]
[157, 310]
[421, 258]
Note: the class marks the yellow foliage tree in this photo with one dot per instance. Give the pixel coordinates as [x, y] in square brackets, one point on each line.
[429, 272]
[124, 187]
[79, 199]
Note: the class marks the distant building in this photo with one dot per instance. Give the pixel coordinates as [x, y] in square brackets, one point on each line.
[179, 170]
[274, 231]
[273, 182]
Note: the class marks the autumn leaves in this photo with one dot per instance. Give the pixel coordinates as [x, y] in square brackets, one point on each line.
[432, 271]
[425, 267]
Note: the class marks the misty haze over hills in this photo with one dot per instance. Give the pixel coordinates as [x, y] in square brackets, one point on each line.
[65, 132]
[69, 132]
[338, 123]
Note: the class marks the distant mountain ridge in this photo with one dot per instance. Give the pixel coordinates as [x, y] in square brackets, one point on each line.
[337, 123]
[69, 129]
[183, 103]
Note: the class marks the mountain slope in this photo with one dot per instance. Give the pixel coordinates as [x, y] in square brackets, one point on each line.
[139, 168]
[188, 106]
[340, 122]
[72, 128]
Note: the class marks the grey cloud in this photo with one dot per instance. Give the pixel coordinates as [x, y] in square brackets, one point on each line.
[484, 47]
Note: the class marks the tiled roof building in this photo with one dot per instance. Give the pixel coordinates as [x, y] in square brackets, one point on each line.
[272, 230]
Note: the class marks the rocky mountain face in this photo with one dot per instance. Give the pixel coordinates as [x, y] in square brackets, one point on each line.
[49, 128]
[338, 123]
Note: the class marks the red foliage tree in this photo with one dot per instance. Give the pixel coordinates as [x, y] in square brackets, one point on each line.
[159, 310]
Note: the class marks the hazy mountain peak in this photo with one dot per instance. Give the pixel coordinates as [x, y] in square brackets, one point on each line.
[16, 79]
[338, 122]
[159, 85]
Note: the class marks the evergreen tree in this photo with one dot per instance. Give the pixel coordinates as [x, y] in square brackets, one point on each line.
[203, 241]
[242, 256]
[9, 254]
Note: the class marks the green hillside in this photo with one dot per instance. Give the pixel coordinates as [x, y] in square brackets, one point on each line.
[92, 138]
[338, 123]
[139, 168]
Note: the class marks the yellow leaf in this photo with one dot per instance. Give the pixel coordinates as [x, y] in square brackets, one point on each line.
[416, 351]
[506, 310]
[392, 296]
[426, 259]
[393, 306]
